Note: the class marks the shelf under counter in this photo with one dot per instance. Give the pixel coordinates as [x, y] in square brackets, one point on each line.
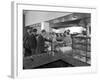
[81, 36]
[82, 53]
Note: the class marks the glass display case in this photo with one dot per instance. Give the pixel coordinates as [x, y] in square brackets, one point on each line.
[82, 48]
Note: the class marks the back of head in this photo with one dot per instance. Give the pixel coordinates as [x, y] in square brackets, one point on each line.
[43, 31]
[34, 30]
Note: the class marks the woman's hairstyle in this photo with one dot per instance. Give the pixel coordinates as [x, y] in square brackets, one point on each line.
[34, 30]
[43, 31]
[68, 31]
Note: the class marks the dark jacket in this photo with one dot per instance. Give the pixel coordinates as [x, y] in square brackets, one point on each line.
[33, 42]
[26, 41]
[30, 42]
[41, 44]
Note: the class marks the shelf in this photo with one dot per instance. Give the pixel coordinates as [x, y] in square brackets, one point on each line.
[83, 37]
[82, 49]
[83, 54]
[83, 59]
[81, 43]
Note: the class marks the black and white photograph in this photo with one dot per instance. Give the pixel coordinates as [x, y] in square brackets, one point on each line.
[54, 39]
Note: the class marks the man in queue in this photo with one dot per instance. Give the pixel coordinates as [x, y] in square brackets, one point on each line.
[30, 42]
[41, 42]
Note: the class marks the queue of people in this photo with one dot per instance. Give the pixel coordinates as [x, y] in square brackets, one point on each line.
[35, 43]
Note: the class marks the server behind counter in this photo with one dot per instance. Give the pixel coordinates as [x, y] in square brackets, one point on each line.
[67, 38]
